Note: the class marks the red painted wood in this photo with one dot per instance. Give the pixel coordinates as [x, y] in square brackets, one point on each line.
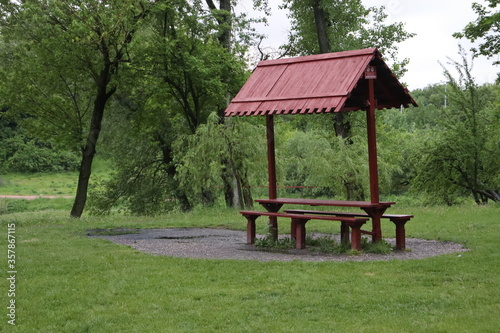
[271, 168]
[298, 226]
[372, 143]
[319, 202]
[320, 83]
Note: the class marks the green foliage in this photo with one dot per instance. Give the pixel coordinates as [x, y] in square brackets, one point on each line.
[381, 247]
[63, 61]
[21, 153]
[267, 242]
[484, 29]
[200, 164]
[350, 26]
[30, 157]
[141, 185]
[457, 159]
[321, 164]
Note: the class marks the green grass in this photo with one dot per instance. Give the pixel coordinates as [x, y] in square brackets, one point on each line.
[68, 282]
[46, 183]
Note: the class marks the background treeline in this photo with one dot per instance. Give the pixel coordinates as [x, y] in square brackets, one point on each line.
[144, 84]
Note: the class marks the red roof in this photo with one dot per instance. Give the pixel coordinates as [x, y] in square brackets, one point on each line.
[323, 83]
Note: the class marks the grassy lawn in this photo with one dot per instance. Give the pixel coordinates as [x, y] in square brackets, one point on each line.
[67, 282]
[39, 183]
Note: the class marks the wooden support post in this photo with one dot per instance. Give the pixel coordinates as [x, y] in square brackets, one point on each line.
[375, 214]
[372, 143]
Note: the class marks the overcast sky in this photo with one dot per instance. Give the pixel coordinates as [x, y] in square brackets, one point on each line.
[434, 22]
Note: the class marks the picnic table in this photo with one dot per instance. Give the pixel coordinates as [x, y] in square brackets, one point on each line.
[374, 211]
[323, 83]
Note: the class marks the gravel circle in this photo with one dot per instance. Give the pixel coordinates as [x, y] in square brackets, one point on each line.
[231, 244]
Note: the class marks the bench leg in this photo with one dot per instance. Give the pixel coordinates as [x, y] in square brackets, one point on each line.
[300, 233]
[356, 238]
[251, 229]
[344, 233]
[293, 229]
[400, 232]
[356, 235]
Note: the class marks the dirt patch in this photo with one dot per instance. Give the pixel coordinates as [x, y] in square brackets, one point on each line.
[231, 244]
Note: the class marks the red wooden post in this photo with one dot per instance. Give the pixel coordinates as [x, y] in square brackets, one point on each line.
[251, 229]
[300, 233]
[371, 76]
[372, 143]
[400, 232]
[356, 237]
[271, 169]
[271, 157]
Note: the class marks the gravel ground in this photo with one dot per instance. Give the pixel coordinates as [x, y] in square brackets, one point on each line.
[231, 244]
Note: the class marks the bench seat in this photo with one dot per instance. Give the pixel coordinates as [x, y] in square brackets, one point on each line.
[398, 220]
[298, 229]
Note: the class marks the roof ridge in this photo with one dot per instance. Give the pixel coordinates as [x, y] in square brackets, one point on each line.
[318, 57]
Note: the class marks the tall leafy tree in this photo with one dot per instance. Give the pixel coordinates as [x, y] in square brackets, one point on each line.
[486, 29]
[321, 26]
[191, 58]
[66, 66]
[461, 155]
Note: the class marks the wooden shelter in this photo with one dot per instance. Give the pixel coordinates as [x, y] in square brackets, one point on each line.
[323, 83]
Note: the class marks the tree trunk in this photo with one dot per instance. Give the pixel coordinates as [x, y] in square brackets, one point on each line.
[342, 126]
[320, 21]
[232, 182]
[246, 191]
[88, 152]
[167, 159]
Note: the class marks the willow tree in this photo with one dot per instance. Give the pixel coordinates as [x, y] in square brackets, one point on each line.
[66, 66]
[322, 26]
[461, 156]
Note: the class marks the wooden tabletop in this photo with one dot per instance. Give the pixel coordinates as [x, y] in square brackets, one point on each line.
[319, 202]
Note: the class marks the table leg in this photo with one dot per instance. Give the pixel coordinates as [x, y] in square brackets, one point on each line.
[273, 227]
[375, 214]
[273, 220]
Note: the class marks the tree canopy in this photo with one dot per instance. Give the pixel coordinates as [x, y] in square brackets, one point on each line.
[146, 82]
[485, 28]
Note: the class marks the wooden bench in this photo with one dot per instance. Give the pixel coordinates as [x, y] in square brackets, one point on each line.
[398, 220]
[298, 226]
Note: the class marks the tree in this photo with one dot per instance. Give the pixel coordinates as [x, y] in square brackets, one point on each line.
[66, 65]
[461, 155]
[321, 26]
[188, 68]
[485, 28]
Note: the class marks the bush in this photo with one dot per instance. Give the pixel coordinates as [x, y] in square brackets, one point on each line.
[32, 157]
